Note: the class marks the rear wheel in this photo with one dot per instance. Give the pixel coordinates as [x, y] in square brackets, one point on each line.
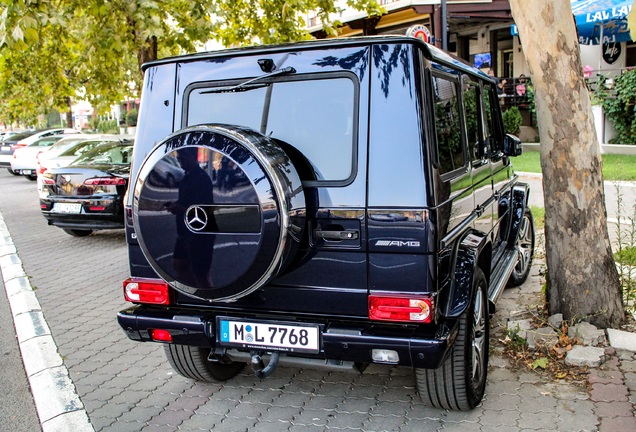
[459, 383]
[78, 232]
[525, 250]
[32, 177]
[192, 362]
[12, 172]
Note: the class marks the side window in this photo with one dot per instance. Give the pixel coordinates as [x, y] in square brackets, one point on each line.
[472, 117]
[493, 137]
[448, 128]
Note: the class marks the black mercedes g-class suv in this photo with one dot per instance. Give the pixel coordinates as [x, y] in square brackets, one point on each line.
[331, 203]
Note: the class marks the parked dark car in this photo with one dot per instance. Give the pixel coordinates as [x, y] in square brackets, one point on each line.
[8, 146]
[343, 202]
[87, 194]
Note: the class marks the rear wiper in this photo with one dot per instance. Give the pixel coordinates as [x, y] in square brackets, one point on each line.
[247, 84]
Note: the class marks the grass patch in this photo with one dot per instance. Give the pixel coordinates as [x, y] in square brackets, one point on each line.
[619, 167]
[538, 214]
[615, 167]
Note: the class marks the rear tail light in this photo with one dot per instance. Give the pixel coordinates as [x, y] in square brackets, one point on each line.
[48, 181]
[151, 291]
[97, 208]
[105, 181]
[399, 308]
[17, 146]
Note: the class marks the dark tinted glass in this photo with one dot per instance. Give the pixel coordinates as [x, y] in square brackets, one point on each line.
[314, 116]
[447, 125]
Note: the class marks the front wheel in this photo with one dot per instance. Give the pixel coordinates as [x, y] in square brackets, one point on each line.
[525, 250]
[78, 232]
[460, 382]
[192, 362]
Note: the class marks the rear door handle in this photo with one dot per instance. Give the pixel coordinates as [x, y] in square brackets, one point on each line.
[337, 235]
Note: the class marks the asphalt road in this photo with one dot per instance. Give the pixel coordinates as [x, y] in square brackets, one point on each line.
[128, 386]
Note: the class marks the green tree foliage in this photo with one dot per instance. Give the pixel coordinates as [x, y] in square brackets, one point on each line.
[93, 49]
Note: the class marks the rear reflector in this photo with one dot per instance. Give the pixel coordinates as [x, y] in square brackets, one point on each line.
[403, 309]
[48, 181]
[151, 291]
[160, 335]
[105, 181]
[97, 208]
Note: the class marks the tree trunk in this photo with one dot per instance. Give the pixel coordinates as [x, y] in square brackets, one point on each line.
[147, 52]
[69, 113]
[583, 282]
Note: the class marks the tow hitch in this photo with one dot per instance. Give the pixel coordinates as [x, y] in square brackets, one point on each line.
[258, 365]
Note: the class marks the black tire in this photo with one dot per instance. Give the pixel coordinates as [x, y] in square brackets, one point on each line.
[192, 362]
[78, 232]
[32, 177]
[12, 172]
[525, 250]
[460, 382]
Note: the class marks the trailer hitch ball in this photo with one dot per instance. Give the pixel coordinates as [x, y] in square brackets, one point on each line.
[258, 364]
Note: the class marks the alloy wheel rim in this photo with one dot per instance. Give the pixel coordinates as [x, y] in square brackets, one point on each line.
[479, 338]
[524, 246]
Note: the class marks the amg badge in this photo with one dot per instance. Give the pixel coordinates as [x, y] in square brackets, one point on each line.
[397, 243]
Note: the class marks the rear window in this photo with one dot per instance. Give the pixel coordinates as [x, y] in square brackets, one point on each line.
[115, 153]
[315, 116]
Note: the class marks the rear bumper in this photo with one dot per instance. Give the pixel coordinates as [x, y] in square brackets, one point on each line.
[417, 346]
[5, 160]
[110, 218]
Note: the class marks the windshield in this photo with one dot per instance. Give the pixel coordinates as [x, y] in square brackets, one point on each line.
[113, 153]
[83, 146]
[315, 116]
[46, 142]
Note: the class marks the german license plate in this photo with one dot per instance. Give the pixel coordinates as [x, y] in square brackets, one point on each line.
[67, 208]
[26, 172]
[277, 336]
[6, 148]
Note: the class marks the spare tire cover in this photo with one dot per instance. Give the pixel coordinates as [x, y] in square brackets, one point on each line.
[218, 211]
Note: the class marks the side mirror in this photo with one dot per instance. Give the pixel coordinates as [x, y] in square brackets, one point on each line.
[512, 145]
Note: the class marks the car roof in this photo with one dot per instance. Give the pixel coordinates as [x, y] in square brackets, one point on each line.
[430, 51]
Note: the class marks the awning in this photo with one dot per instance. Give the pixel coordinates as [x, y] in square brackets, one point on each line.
[606, 19]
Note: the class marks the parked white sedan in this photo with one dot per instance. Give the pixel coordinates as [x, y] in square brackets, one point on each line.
[24, 161]
[66, 151]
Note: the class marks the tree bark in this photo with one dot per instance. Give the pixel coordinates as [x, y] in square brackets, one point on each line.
[147, 52]
[69, 113]
[583, 282]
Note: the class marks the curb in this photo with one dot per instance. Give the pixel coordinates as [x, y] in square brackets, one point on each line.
[56, 400]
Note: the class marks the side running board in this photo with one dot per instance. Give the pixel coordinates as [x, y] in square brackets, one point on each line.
[500, 276]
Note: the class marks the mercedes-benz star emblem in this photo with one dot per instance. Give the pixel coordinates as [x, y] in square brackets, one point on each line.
[196, 218]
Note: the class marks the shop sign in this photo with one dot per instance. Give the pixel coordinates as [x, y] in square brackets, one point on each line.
[611, 52]
[421, 32]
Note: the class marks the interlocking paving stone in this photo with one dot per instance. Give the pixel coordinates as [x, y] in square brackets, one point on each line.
[609, 392]
[538, 421]
[348, 420]
[614, 409]
[500, 418]
[618, 424]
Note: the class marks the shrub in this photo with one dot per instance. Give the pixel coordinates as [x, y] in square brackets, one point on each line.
[619, 107]
[131, 118]
[512, 120]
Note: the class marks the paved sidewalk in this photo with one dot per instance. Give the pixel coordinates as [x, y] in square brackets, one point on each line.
[127, 386]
